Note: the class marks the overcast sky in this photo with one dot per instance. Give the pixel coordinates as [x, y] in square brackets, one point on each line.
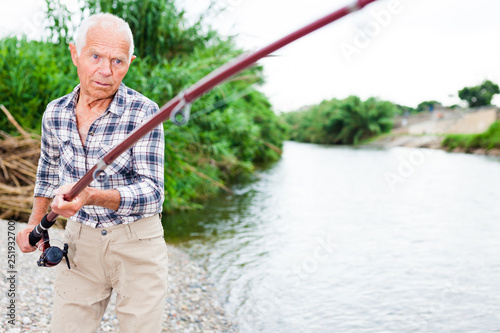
[405, 51]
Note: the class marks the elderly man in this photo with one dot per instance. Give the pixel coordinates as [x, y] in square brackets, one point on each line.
[114, 232]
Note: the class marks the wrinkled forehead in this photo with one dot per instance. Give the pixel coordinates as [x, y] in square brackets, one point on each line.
[108, 39]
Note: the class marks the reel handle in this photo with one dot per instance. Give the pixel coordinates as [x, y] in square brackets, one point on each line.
[36, 234]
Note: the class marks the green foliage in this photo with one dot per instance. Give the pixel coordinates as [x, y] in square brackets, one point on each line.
[404, 110]
[31, 75]
[348, 121]
[480, 95]
[427, 106]
[159, 28]
[487, 140]
[231, 127]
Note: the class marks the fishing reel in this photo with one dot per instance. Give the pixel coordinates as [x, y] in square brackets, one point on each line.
[51, 255]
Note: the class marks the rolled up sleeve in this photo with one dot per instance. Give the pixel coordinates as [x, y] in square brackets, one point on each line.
[146, 194]
[47, 176]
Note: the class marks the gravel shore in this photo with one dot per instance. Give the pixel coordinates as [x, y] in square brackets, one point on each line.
[191, 305]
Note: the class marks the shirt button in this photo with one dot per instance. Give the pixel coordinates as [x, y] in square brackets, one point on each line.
[104, 232]
[91, 133]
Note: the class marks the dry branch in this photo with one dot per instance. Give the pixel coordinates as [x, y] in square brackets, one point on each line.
[14, 122]
[18, 163]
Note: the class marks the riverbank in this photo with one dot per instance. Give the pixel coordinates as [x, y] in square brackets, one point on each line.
[426, 141]
[192, 304]
[429, 131]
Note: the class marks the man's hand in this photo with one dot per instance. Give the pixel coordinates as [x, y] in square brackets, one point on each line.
[22, 239]
[68, 208]
[40, 206]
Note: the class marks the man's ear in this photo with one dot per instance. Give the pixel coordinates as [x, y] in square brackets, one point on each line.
[74, 54]
[133, 57]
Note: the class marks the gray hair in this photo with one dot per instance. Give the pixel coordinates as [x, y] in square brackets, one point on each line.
[104, 20]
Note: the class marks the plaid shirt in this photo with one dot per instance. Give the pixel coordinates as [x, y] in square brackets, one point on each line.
[137, 173]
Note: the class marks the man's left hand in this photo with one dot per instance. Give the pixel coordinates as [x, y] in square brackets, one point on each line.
[68, 208]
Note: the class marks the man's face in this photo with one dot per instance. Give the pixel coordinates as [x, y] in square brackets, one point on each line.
[102, 63]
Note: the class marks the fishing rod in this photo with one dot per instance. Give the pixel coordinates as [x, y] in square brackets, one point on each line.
[178, 108]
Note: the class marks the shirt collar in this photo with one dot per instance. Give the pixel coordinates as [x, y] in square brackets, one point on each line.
[72, 99]
[117, 105]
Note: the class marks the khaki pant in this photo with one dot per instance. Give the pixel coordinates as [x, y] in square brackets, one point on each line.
[130, 259]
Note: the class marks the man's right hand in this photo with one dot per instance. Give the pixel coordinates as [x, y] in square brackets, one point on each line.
[40, 207]
[23, 239]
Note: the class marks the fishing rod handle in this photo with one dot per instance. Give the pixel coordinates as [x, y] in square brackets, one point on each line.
[36, 233]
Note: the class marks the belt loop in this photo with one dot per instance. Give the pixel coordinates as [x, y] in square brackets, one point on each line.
[128, 230]
[79, 230]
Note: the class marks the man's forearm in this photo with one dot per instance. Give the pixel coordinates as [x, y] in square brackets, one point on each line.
[40, 208]
[104, 198]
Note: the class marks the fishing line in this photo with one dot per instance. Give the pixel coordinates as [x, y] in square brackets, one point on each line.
[217, 105]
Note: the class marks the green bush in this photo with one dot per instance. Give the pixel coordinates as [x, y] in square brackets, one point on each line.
[487, 140]
[348, 121]
[31, 75]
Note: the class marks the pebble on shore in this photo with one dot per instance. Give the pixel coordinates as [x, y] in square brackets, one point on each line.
[191, 305]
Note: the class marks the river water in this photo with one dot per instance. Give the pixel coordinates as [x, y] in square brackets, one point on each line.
[343, 239]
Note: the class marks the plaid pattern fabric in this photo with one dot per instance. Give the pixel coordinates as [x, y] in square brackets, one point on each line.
[137, 173]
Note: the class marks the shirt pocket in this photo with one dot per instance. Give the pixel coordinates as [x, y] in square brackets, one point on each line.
[122, 165]
[67, 155]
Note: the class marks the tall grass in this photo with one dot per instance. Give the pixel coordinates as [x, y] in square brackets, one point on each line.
[31, 75]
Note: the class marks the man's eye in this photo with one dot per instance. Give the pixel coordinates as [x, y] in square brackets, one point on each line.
[118, 61]
[95, 56]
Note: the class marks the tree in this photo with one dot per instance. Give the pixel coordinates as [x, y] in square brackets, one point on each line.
[427, 105]
[479, 95]
[348, 121]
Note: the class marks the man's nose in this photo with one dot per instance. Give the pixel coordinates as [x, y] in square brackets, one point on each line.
[105, 68]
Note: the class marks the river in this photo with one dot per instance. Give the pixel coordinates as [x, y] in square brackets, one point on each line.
[342, 239]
